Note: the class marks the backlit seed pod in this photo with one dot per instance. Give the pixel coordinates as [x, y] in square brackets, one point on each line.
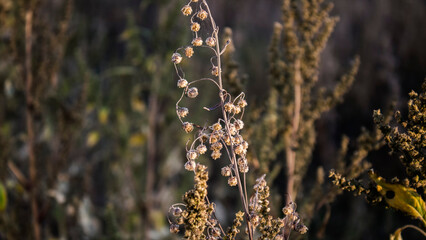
[240, 150]
[237, 110]
[177, 211]
[245, 145]
[182, 83]
[232, 130]
[216, 232]
[176, 58]
[215, 71]
[228, 106]
[192, 155]
[195, 27]
[216, 126]
[174, 228]
[239, 124]
[232, 181]
[190, 165]
[227, 140]
[302, 229]
[242, 103]
[202, 14]
[189, 51]
[254, 219]
[192, 92]
[287, 210]
[182, 112]
[201, 149]
[187, 127]
[226, 171]
[186, 10]
[217, 146]
[244, 168]
[216, 155]
[197, 42]
[211, 41]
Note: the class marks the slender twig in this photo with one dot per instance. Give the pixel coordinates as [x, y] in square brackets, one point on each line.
[30, 105]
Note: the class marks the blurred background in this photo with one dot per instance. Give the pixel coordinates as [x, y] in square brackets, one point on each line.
[90, 145]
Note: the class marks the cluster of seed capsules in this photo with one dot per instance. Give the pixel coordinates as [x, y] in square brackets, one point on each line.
[225, 133]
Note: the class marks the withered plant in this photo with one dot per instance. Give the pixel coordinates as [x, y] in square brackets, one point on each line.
[197, 214]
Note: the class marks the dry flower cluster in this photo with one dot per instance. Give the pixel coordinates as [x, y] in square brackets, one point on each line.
[197, 214]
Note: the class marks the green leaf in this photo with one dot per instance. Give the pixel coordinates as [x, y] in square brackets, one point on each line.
[3, 197]
[401, 198]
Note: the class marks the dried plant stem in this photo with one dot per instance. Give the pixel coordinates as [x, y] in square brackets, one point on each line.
[150, 167]
[30, 122]
[222, 95]
[292, 141]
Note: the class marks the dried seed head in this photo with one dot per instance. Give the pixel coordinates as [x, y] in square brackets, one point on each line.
[197, 42]
[182, 83]
[192, 92]
[201, 149]
[226, 171]
[190, 165]
[216, 155]
[182, 112]
[237, 110]
[228, 106]
[186, 10]
[232, 130]
[244, 168]
[239, 124]
[239, 149]
[242, 103]
[301, 228]
[195, 27]
[176, 58]
[191, 155]
[174, 228]
[287, 210]
[188, 127]
[232, 181]
[227, 140]
[211, 41]
[202, 14]
[217, 146]
[214, 137]
[254, 219]
[215, 71]
[177, 211]
[217, 126]
[189, 51]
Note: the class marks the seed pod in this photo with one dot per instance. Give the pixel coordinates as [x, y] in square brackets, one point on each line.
[226, 171]
[211, 41]
[174, 228]
[215, 71]
[190, 165]
[192, 155]
[182, 112]
[202, 14]
[201, 149]
[216, 155]
[177, 211]
[189, 51]
[242, 103]
[232, 181]
[186, 10]
[197, 42]
[187, 127]
[192, 92]
[217, 126]
[195, 27]
[176, 58]
[228, 106]
[182, 83]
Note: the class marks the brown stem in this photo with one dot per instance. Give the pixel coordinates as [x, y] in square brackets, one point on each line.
[150, 167]
[292, 143]
[30, 122]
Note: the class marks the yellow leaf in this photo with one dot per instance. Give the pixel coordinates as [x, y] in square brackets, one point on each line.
[103, 115]
[3, 197]
[137, 140]
[138, 105]
[92, 139]
[401, 198]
